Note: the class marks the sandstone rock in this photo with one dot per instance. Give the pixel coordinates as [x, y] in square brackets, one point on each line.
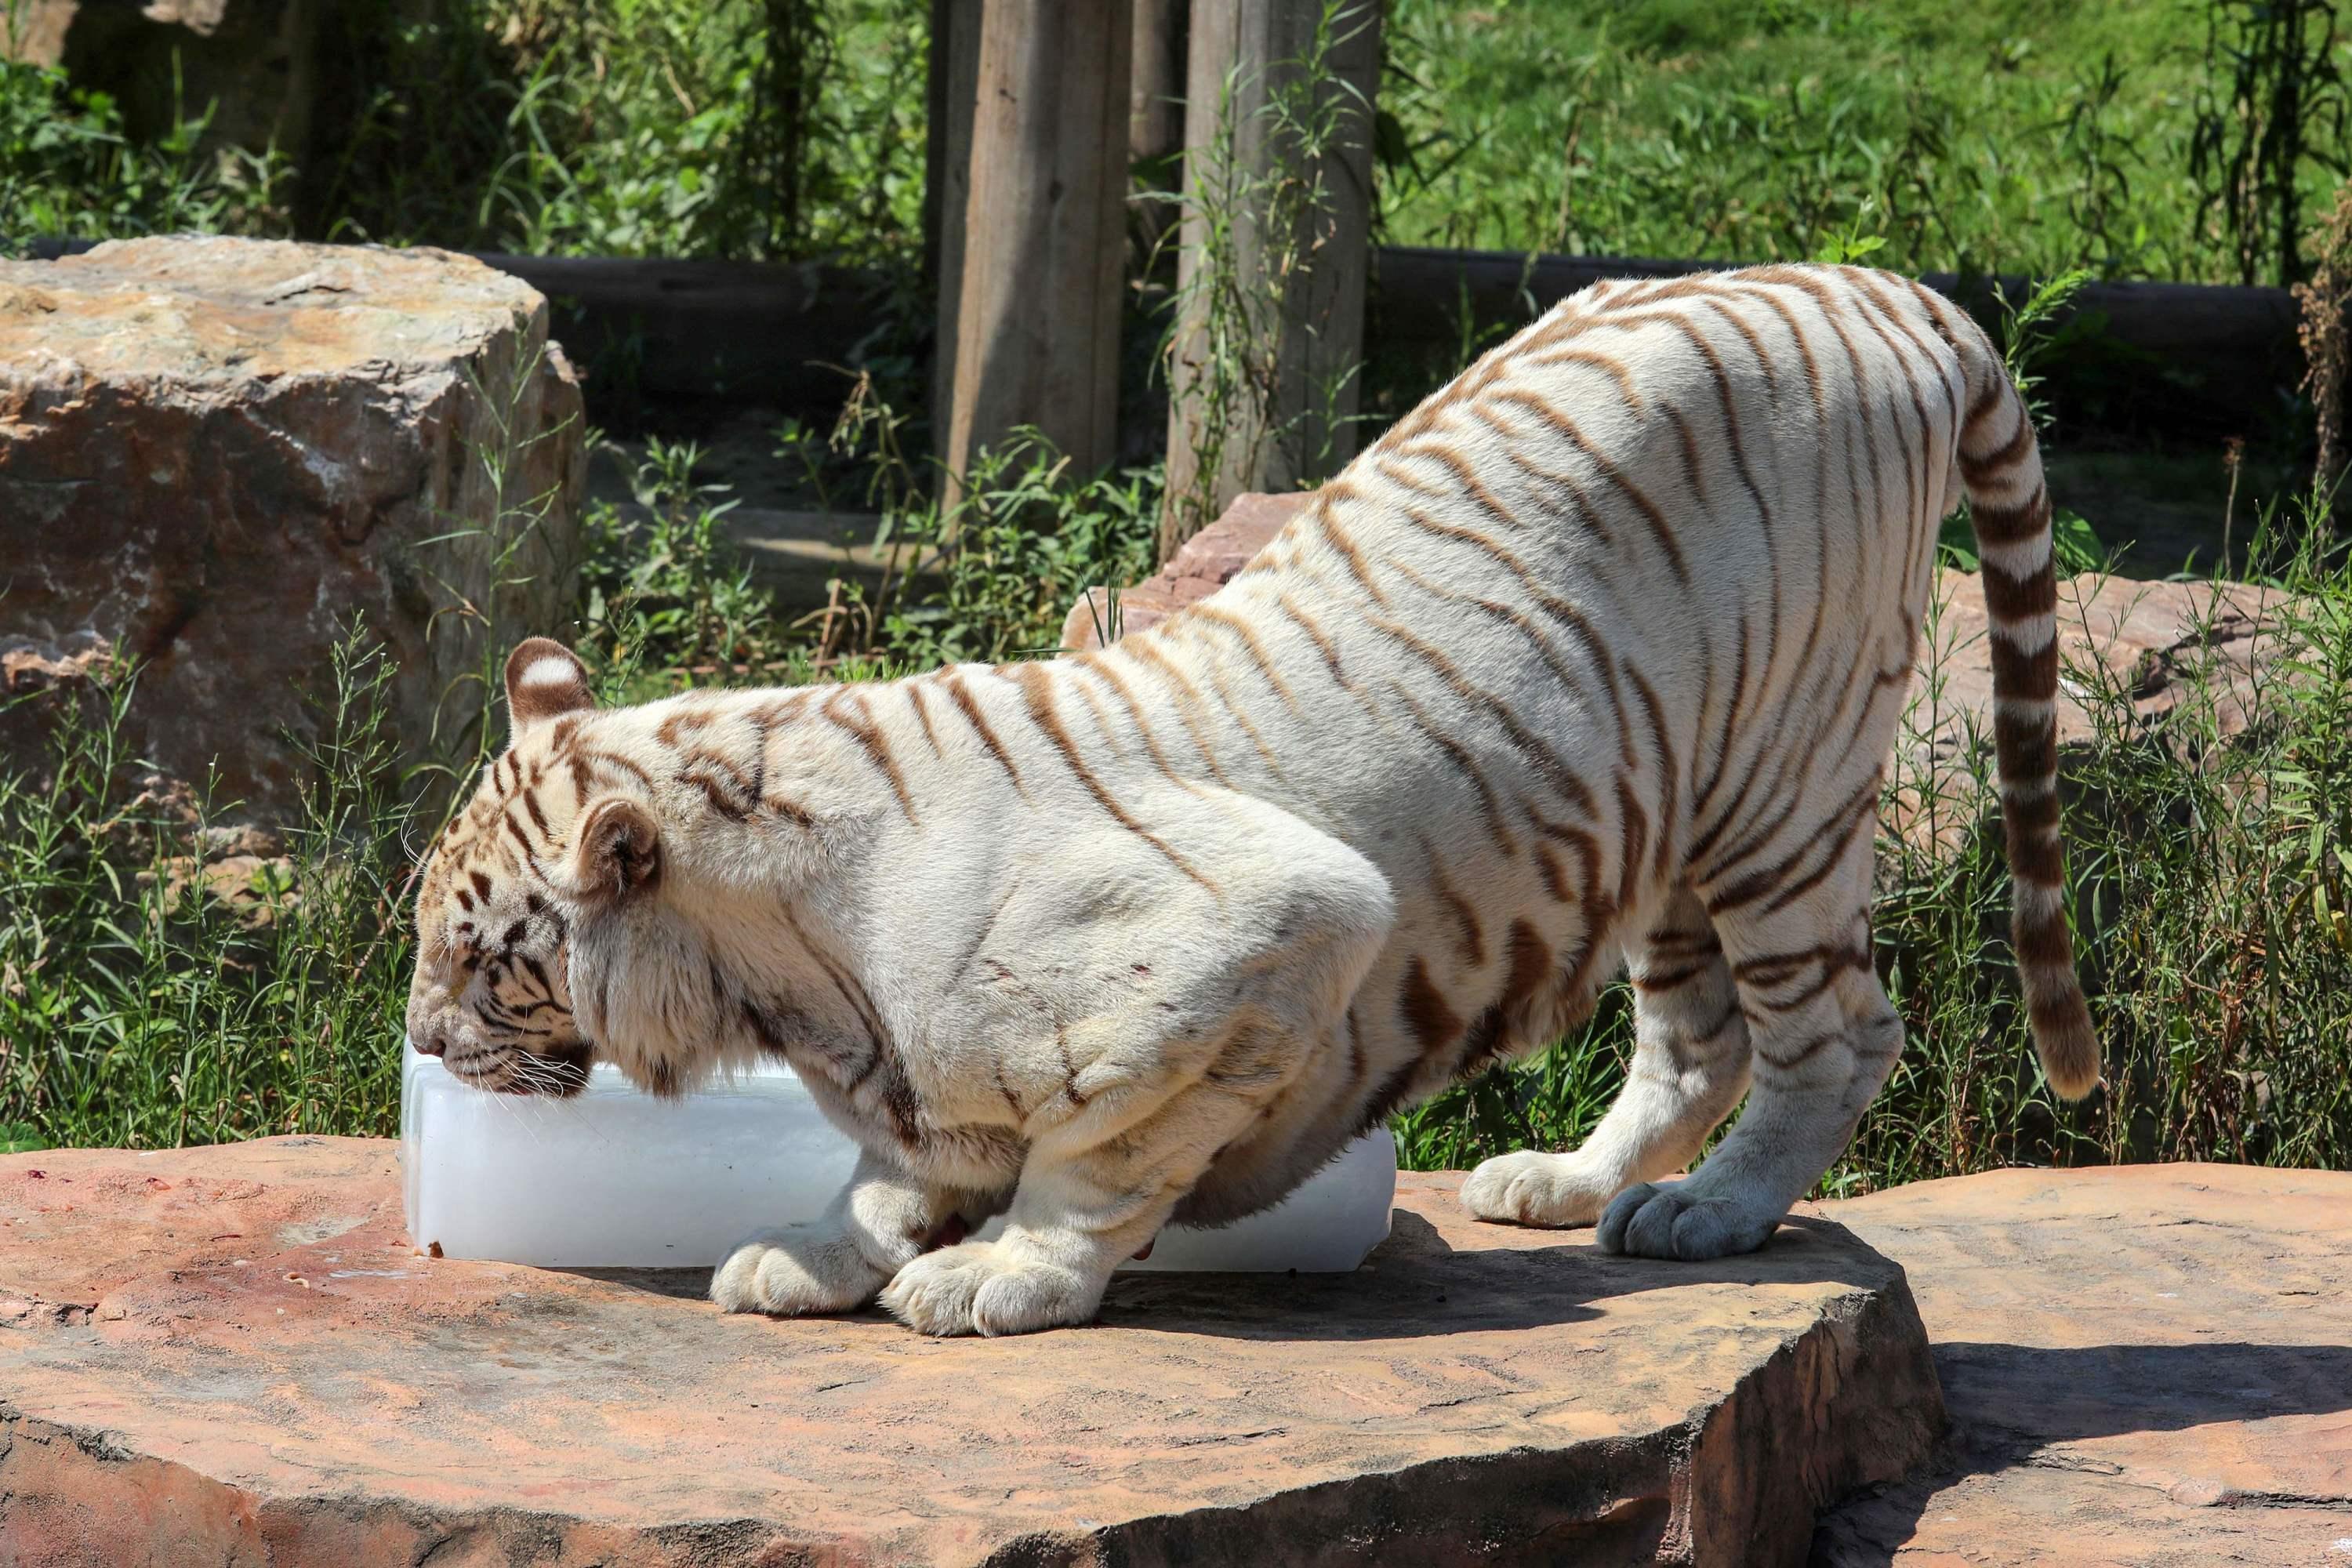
[233, 1355]
[1203, 564]
[2161, 644]
[215, 454]
[2149, 1365]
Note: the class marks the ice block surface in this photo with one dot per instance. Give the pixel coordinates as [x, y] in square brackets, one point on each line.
[614, 1178]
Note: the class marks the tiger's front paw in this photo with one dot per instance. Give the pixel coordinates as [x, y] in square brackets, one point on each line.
[813, 1267]
[1532, 1188]
[982, 1287]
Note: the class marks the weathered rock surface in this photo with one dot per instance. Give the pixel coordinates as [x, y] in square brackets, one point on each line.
[216, 454]
[2149, 1365]
[2160, 646]
[232, 1356]
[1203, 564]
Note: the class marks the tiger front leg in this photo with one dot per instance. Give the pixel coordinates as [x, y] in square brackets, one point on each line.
[1080, 1209]
[1231, 979]
[882, 1220]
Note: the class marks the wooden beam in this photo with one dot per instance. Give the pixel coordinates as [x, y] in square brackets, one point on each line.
[1270, 290]
[1030, 275]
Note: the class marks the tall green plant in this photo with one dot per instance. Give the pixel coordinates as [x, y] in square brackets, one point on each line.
[2273, 109]
[146, 999]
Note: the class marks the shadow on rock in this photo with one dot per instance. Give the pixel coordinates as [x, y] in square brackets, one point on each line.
[1417, 1283]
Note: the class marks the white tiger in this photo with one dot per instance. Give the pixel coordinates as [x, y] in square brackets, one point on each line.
[1597, 655]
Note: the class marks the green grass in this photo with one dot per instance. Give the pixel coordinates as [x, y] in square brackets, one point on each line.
[2021, 135]
[612, 128]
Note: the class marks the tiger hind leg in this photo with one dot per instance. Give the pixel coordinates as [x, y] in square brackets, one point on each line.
[1690, 1066]
[1825, 1038]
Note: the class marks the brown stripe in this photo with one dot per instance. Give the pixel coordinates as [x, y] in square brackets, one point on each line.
[1434, 1025]
[2033, 676]
[2036, 816]
[1981, 472]
[1353, 557]
[869, 736]
[1217, 615]
[1754, 344]
[1561, 613]
[1234, 709]
[1636, 827]
[1661, 531]
[1036, 689]
[1323, 643]
[2054, 1013]
[2016, 598]
[1998, 525]
[954, 680]
[1598, 360]
[1190, 705]
[2036, 857]
[2043, 943]
[1985, 402]
[721, 801]
[1577, 502]
[1804, 1052]
[1094, 664]
[1489, 809]
[1542, 757]
[914, 690]
[1669, 773]
[1833, 853]
[2026, 748]
[1471, 938]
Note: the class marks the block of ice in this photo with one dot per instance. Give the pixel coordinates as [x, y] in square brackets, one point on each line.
[615, 1178]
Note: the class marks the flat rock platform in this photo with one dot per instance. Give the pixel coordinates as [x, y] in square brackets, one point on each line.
[2147, 1366]
[232, 1356]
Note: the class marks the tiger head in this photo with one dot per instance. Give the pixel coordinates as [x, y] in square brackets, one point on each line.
[505, 886]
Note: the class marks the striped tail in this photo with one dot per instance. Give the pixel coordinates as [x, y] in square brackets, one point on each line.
[2010, 507]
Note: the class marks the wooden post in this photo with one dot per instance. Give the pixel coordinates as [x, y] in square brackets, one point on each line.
[1276, 244]
[1155, 117]
[1030, 266]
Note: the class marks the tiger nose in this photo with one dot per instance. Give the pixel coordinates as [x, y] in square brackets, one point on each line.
[435, 1043]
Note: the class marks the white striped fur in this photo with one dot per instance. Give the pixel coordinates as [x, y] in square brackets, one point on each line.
[1594, 659]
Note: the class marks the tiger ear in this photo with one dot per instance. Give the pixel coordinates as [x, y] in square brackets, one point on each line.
[617, 852]
[545, 680]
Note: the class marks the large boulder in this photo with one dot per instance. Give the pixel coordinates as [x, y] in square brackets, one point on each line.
[218, 456]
